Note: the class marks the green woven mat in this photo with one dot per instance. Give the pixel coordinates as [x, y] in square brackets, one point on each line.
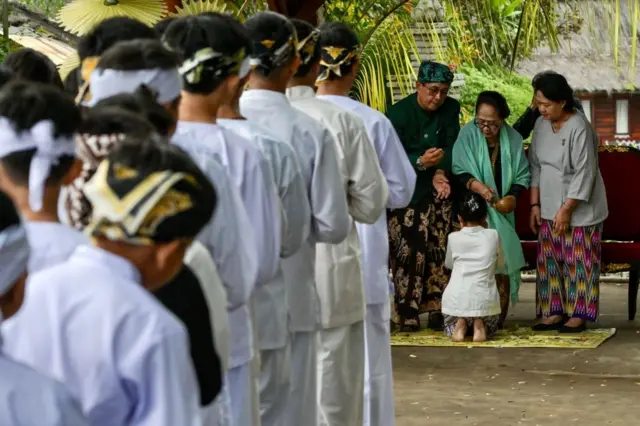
[512, 338]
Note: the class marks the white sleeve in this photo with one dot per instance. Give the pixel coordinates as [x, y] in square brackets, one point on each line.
[367, 188]
[295, 204]
[263, 207]
[200, 262]
[166, 390]
[448, 261]
[328, 198]
[400, 174]
[229, 238]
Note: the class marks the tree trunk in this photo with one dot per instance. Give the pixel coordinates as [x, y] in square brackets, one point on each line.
[305, 10]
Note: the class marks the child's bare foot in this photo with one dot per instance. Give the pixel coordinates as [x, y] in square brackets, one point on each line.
[479, 332]
[460, 331]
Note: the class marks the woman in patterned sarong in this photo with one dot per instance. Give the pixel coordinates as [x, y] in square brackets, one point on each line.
[568, 207]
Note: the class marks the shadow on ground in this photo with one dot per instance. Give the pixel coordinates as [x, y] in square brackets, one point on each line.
[455, 386]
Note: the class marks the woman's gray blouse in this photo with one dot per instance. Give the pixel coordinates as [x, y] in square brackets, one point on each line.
[565, 165]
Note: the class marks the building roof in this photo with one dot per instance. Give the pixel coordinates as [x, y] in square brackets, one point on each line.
[586, 57]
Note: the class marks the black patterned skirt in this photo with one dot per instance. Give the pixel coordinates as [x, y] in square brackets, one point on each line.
[417, 250]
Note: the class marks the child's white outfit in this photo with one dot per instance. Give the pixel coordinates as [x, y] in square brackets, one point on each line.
[473, 254]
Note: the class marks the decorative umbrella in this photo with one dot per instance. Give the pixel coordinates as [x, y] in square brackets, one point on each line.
[80, 16]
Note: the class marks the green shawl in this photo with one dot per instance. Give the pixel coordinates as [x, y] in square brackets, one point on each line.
[471, 155]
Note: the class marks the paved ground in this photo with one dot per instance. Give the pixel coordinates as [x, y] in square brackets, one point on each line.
[451, 386]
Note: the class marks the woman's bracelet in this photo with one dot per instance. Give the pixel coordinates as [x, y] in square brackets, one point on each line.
[535, 205]
[470, 182]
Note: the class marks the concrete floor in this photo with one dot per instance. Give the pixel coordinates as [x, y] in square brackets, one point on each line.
[451, 386]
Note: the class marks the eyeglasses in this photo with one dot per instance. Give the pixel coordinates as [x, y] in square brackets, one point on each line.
[433, 90]
[491, 125]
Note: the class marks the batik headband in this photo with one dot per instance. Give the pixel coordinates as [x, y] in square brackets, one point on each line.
[272, 54]
[434, 72]
[333, 58]
[222, 65]
[307, 47]
[14, 257]
[48, 148]
[91, 150]
[165, 83]
[142, 209]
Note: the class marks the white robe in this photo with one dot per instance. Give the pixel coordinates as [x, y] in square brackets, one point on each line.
[270, 314]
[51, 243]
[235, 258]
[89, 323]
[29, 398]
[401, 178]
[339, 270]
[317, 157]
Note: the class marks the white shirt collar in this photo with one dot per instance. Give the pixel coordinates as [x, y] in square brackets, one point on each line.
[117, 264]
[265, 96]
[300, 92]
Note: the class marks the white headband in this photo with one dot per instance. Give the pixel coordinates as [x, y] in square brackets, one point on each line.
[49, 149]
[14, 256]
[106, 83]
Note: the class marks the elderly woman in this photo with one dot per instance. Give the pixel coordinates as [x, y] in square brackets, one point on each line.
[488, 159]
[568, 207]
[427, 123]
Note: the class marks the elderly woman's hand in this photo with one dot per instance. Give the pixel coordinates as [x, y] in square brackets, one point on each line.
[483, 190]
[441, 185]
[562, 220]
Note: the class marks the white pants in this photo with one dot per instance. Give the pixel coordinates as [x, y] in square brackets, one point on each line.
[341, 375]
[379, 403]
[302, 405]
[241, 388]
[275, 385]
[255, 402]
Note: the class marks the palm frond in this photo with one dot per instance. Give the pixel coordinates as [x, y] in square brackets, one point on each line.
[80, 16]
[70, 63]
[196, 7]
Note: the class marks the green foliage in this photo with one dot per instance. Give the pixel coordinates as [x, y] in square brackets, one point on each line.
[514, 87]
[7, 46]
[46, 7]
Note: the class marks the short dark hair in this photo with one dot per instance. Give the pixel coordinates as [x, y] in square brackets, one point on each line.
[8, 214]
[142, 102]
[136, 55]
[161, 27]
[473, 208]
[337, 34]
[27, 103]
[109, 119]
[496, 100]
[154, 153]
[28, 64]
[191, 34]
[111, 31]
[536, 77]
[555, 87]
[269, 26]
[304, 29]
